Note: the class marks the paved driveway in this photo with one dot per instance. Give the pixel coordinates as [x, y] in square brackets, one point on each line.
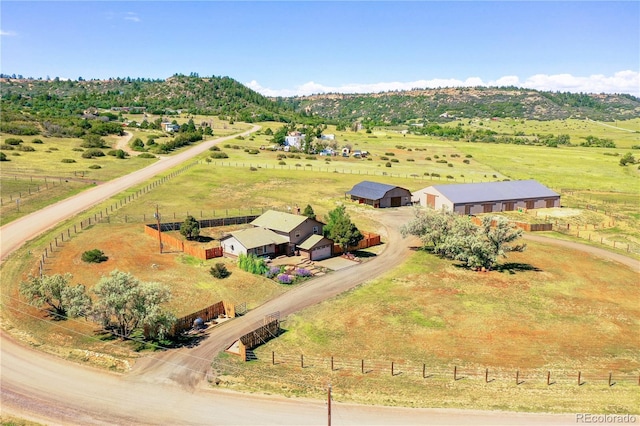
[336, 263]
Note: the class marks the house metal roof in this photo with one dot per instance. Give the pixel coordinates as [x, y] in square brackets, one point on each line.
[279, 221]
[494, 191]
[314, 241]
[257, 237]
[370, 190]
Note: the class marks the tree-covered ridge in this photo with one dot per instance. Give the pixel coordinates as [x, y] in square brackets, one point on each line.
[207, 96]
[471, 102]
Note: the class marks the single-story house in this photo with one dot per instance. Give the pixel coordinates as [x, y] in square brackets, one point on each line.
[487, 197]
[258, 241]
[380, 194]
[169, 127]
[278, 233]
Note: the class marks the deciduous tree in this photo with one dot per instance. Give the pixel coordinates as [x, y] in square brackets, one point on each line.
[56, 292]
[125, 304]
[190, 228]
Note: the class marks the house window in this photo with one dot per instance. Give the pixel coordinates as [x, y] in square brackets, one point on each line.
[487, 208]
[550, 203]
[232, 249]
[315, 230]
[258, 250]
[530, 204]
[467, 210]
[509, 206]
[297, 233]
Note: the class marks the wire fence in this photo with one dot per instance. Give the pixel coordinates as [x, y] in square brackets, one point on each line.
[368, 367]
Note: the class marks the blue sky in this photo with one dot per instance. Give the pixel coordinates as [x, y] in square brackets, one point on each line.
[302, 47]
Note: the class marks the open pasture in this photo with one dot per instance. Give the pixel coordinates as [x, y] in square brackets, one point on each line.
[547, 309]
[624, 134]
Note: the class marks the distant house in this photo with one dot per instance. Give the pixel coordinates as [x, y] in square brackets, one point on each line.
[294, 140]
[277, 233]
[487, 197]
[168, 127]
[328, 137]
[345, 151]
[380, 195]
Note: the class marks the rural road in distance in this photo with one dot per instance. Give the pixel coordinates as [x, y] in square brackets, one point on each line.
[43, 388]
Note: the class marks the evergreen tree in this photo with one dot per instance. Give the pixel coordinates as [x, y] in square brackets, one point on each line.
[341, 230]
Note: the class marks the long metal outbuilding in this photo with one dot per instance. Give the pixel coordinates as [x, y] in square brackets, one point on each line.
[488, 197]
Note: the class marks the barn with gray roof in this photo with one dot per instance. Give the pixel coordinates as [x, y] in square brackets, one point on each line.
[380, 194]
[488, 197]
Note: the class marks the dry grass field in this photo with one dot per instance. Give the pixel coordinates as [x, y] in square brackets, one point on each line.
[550, 309]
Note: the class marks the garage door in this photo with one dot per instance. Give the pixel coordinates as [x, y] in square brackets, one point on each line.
[396, 201]
[321, 253]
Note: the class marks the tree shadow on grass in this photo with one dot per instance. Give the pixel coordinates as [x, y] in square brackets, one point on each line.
[513, 267]
[203, 239]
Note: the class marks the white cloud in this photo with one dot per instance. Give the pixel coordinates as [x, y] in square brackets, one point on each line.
[4, 33]
[620, 82]
[132, 16]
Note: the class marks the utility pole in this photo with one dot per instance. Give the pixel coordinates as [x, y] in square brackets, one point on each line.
[157, 216]
[329, 404]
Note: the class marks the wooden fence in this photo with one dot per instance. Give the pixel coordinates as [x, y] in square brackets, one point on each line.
[529, 227]
[369, 240]
[207, 314]
[201, 253]
[258, 337]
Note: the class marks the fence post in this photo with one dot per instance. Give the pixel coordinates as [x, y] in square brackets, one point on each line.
[486, 375]
[424, 369]
[455, 373]
[548, 377]
[362, 366]
[331, 362]
[273, 358]
[579, 381]
[517, 378]
[301, 360]
[609, 379]
[392, 368]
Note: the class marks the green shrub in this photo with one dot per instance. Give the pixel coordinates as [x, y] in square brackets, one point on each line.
[39, 141]
[77, 149]
[3, 157]
[94, 256]
[68, 160]
[26, 148]
[387, 164]
[6, 147]
[395, 160]
[253, 151]
[146, 155]
[282, 163]
[428, 158]
[450, 165]
[466, 161]
[390, 154]
[93, 152]
[214, 148]
[384, 158]
[219, 271]
[219, 154]
[410, 159]
[13, 141]
[95, 166]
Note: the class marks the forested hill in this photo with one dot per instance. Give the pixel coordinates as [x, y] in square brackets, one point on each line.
[31, 99]
[208, 96]
[483, 102]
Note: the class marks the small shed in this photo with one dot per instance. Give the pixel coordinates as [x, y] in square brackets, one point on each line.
[380, 195]
[488, 197]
